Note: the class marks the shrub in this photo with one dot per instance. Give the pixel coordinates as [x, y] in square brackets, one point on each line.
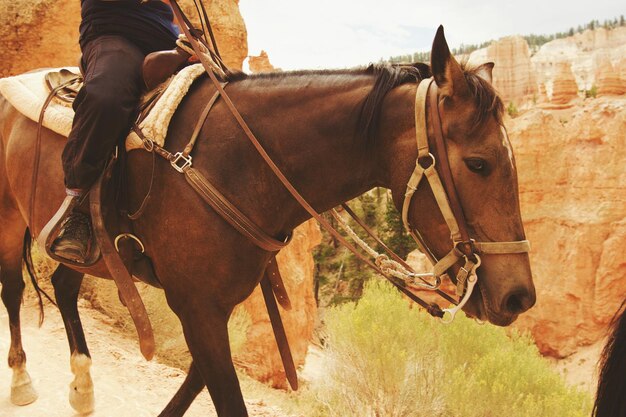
[511, 109]
[592, 92]
[384, 358]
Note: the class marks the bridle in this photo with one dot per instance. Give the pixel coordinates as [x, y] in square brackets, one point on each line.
[442, 185]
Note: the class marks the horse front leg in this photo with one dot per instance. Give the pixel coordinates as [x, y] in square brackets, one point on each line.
[67, 284]
[205, 326]
[22, 391]
[185, 395]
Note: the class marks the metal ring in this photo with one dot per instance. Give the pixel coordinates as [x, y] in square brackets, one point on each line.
[129, 236]
[432, 161]
[148, 144]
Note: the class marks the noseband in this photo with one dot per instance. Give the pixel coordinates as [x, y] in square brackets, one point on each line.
[442, 185]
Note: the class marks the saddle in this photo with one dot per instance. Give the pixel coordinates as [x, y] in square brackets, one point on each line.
[64, 86]
[157, 68]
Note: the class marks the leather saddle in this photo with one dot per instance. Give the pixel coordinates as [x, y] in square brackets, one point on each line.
[157, 68]
[64, 85]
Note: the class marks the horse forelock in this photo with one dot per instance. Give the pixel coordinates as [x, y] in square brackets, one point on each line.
[486, 99]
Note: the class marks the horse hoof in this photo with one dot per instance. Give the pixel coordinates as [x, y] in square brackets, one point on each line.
[82, 401]
[23, 394]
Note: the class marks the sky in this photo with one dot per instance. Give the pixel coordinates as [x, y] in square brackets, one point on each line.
[299, 34]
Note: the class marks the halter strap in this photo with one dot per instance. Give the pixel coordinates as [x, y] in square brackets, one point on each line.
[444, 190]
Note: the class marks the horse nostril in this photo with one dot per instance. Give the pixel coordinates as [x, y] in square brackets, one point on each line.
[518, 302]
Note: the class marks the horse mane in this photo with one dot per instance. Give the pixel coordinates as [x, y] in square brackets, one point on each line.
[611, 389]
[387, 77]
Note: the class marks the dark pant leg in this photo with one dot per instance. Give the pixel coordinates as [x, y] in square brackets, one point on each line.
[105, 107]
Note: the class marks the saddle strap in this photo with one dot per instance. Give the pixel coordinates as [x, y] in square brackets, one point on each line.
[273, 273]
[279, 329]
[123, 279]
[231, 213]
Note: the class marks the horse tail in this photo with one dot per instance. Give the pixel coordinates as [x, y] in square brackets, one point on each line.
[30, 267]
[611, 393]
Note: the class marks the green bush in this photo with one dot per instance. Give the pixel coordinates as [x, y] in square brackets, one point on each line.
[385, 358]
[592, 92]
[511, 109]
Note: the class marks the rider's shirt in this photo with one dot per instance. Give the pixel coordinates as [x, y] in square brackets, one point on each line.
[148, 24]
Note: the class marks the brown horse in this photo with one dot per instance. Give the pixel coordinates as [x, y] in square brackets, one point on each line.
[335, 134]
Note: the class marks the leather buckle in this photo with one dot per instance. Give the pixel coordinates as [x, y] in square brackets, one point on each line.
[175, 162]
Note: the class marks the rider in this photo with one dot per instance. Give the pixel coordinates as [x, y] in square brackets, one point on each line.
[115, 36]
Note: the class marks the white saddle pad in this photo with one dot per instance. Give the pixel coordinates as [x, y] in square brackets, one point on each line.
[28, 92]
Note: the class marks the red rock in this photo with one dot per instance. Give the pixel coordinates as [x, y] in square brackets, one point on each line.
[572, 184]
[513, 74]
[608, 80]
[261, 63]
[564, 87]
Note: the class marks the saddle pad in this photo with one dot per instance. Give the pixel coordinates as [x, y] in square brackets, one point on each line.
[28, 92]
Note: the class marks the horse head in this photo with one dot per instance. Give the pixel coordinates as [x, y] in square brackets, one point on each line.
[484, 175]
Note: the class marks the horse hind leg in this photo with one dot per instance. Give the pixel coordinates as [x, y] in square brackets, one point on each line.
[22, 391]
[67, 284]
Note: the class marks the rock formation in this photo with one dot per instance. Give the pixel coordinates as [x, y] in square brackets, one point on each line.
[608, 80]
[581, 52]
[512, 75]
[35, 34]
[261, 63]
[572, 186]
[564, 87]
[44, 33]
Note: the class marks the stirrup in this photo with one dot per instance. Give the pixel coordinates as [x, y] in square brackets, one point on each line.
[52, 229]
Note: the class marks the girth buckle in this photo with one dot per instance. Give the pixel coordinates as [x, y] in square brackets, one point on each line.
[178, 166]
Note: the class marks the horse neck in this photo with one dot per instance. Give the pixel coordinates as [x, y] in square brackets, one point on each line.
[309, 129]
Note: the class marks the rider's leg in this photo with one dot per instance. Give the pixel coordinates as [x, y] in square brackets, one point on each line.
[105, 108]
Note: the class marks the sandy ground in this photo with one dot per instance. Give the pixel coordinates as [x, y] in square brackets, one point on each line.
[125, 384]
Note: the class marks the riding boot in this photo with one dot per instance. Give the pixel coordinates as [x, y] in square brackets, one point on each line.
[75, 237]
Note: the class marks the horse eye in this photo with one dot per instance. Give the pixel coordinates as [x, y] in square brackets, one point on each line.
[477, 165]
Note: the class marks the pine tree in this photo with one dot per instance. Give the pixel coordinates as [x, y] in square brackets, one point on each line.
[393, 231]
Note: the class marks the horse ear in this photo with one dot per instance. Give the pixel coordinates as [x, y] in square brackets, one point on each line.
[485, 71]
[446, 70]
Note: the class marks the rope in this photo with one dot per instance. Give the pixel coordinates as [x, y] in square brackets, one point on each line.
[388, 266]
[183, 43]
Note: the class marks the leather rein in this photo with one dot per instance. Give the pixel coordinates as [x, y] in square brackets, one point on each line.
[464, 248]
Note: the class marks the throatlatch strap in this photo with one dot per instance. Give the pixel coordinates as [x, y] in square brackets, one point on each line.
[501, 248]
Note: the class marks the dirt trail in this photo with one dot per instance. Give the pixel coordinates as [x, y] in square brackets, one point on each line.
[125, 384]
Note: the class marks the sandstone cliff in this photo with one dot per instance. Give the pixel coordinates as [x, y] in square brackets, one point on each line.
[595, 57]
[572, 186]
[261, 63]
[513, 74]
[564, 87]
[44, 33]
[582, 52]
